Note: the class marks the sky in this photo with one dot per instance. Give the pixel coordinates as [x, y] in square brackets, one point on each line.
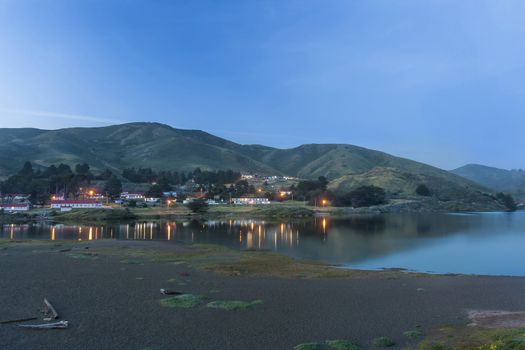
[440, 82]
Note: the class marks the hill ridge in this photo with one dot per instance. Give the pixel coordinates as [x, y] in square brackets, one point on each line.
[162, 147]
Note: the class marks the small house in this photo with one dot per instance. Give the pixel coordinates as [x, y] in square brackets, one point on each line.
[14, 207]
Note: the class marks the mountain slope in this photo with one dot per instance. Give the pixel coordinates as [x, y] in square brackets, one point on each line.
[164, 148]
[512, 181]
[117, 147]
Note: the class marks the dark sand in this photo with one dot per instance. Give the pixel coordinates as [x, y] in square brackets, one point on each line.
[114, 305]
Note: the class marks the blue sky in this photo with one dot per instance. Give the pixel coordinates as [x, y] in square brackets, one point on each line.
[437, 81]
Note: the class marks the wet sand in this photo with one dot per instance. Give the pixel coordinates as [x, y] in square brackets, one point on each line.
[113, 303]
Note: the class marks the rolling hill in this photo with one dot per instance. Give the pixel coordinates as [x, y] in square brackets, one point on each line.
[512, 181]
[165, 148]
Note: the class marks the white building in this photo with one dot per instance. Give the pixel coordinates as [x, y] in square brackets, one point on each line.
[132, 196]
[14, 207]
[250, 201]
[75, 204]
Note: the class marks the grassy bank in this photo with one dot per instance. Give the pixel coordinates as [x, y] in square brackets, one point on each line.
[284, 210]
[176, 212]
[94, 215]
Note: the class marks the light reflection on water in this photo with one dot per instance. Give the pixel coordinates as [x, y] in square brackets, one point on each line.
[477, 243]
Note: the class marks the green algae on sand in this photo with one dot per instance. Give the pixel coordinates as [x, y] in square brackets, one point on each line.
[232, 305]
[184, 301]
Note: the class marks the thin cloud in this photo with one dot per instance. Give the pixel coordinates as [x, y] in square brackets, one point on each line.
[62, 116]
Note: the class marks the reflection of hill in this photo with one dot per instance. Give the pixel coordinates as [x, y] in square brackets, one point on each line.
[335, 241]
[374, 236]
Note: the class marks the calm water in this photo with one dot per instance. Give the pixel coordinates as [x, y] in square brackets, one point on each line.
[487, 243]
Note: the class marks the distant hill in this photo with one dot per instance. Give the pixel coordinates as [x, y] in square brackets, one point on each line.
[162, 147]
[512, 181]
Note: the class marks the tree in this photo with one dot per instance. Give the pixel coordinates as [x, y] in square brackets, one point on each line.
[82, 169]
[507, 200]
[113, 187]
[363, 196]
[155, 191]
[27, 170]
[198, 206]
[423, 190]
[323, 182]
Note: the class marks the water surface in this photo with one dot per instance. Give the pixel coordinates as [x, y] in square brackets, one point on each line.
[481, 243]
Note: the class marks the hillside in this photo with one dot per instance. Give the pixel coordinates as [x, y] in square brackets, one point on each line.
[117, 147]
[164, 148]
[512, 181]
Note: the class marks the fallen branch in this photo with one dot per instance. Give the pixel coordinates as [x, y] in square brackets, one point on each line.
[170, 292]
[49, 311]
[56, 325]
[19, 320]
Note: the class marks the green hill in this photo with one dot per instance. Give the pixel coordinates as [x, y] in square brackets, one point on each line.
[162, 147]
[501, 180]
[117, 147]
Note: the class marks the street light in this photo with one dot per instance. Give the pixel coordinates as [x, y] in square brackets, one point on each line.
[323, 202]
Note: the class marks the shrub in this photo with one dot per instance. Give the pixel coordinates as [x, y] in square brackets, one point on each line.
[383, 342]
[423, 190]
[507, 200]
[197, 206]
[363, 196]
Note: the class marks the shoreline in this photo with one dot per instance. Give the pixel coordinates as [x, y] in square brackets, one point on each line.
[275, 211]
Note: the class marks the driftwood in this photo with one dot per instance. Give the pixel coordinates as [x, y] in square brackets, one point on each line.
[56, 325]
[49, 311]
[19, 320]
[169, 292]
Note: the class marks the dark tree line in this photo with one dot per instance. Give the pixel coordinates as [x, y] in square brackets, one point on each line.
[312, 190]
[507, 200]
[316, 191]
[363, 196]
[41, 183]
[142, 175]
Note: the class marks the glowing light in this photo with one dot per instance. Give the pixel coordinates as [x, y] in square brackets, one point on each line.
[249, 240]
[53, 233]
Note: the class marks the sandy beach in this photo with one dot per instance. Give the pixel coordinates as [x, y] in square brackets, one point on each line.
[108, 291]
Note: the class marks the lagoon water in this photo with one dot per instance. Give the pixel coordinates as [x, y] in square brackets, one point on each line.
[478, 243]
